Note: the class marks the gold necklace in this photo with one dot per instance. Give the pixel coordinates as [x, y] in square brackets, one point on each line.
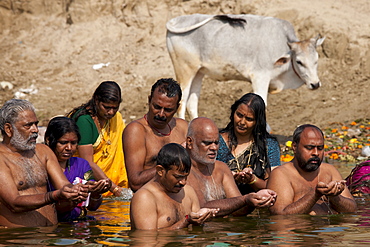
[249, 157]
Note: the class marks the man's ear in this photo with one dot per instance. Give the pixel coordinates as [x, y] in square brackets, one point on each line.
[189, 142]
[149, 99]
[160, 170]
[294, 147]
[8, 128]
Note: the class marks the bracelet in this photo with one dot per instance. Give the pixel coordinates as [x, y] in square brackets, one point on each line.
[255, 179]
[187, 218]
[115, 189]
[49, 197]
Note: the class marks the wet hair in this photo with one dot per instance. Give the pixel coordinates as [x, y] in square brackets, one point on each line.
[106, 92]
[167, 86]
[57, 128]
[260, 134]
[298, 131]
[173, 154]
[11, 109]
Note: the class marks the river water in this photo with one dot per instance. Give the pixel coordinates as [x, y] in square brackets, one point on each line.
[111, 227]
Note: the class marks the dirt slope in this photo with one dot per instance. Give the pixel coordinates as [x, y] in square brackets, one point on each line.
[48, 49]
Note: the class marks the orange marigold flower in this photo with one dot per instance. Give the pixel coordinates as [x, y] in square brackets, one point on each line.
[344, 128]
[353, 123]
[326, 146]
[360, 146]
[334, 130]
[334, 156]
[362, 126]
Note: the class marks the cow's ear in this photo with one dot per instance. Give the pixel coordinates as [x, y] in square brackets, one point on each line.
[318, 41]
[283, 60]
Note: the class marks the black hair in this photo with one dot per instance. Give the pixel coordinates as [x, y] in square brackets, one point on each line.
[106, 92]
[173, 154]
[260, 134]
[58, 127]
[298, 131]
[167, 86]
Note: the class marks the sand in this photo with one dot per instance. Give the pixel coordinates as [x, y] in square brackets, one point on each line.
[48, 50]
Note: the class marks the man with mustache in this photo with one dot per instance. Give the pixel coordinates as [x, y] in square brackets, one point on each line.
[26, 169]
[143, 138]
[305, 185]
[167, 202]
[212, 180]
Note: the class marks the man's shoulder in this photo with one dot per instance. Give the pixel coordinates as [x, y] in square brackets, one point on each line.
[327, 167]
[181, 121]
[148, 191]
[221, 166]
[285, 168]
[135, 126]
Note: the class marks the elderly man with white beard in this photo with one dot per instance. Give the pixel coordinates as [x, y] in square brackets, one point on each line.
[26, 171]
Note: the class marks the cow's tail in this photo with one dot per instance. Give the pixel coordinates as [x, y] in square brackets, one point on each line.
[171, 25]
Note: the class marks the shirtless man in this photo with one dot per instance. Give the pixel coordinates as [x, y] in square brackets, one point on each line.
[306, 185]
[166, 202]
[25, 170]
[143, 138]
[212, 179]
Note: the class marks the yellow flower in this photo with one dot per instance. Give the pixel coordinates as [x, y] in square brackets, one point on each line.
[353, 140]
[288, 144]
[362, 126]
[360, 146]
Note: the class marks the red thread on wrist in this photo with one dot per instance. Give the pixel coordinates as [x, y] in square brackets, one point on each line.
[187, 217]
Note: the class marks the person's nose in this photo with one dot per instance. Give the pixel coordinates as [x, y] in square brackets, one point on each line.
[161, 112]
[183, 181]
[315, 151]
[242, 121]
[213, 146]
[34, 128]
[68, 146]
[111, 111]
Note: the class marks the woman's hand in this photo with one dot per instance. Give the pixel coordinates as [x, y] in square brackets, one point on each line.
[99, 187]
[245, 177]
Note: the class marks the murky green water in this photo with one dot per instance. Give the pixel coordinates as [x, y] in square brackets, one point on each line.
[112, 228]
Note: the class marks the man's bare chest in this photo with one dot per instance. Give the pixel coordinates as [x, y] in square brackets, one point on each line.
[27, 172]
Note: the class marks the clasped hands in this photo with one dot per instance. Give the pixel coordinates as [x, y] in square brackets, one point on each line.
[262, 198]
[245, 176]
[333, 188]
[79, 192]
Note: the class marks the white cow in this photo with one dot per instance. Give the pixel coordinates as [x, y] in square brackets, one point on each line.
[262, 50]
